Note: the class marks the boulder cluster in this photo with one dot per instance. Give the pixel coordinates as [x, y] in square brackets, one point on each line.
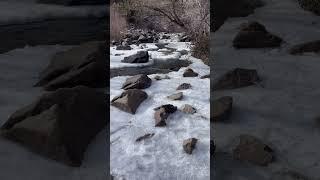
[134, 95]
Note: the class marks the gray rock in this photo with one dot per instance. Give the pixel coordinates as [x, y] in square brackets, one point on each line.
[313, 46]
[205, 76]
[140, 81]
[190, 73]
[176, 96]
[162, 113]
[81, 65]
[221, 109]
[184, 86]
[187, 108]
[254, 35]
[140, 57]
[189, 145]
[158, 78]
[253, 150]
[130, 100]
[59, 125]
[237, 78]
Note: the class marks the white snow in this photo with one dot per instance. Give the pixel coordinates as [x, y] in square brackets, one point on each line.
[162, 156]
[19, 72]
[19, 11]
[282, 113]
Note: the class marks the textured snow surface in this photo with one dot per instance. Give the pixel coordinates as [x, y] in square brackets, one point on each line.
[162, 156]
[282, 113]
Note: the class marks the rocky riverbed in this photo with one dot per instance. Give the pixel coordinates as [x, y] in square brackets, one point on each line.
[159, 118]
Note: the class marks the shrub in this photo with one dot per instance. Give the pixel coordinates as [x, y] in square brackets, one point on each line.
[311, 5]
[118, 23]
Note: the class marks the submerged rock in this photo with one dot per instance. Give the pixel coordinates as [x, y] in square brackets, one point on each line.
[130, 100]
[313, 46]
[221, 109]
[60, 124]
[184, 86]
[140, 81]
[237, 78]
[255, 35]
[253, 150]
[205, 76]
[162, 113]
[189, 145]
[140, 57]
[176, 96]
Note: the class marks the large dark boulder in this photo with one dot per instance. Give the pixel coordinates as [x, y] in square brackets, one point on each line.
[224, 9]
[140, 81]
[82, 65]
[140, 57]
[255, 35]
[59, 125]
[74, 2]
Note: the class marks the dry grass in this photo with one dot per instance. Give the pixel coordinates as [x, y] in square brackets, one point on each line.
[118, 23]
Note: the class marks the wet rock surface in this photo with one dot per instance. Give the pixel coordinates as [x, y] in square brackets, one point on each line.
[190, 73]
[140, 57]
[187, 108]
[176, 96]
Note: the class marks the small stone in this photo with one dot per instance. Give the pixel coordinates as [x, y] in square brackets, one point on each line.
[189, 73]
[189, 109]
[189, 145]
[157, 77]
[253, 150]
[177, 96]
[184, 86]
[146, 136]
[205, 76]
